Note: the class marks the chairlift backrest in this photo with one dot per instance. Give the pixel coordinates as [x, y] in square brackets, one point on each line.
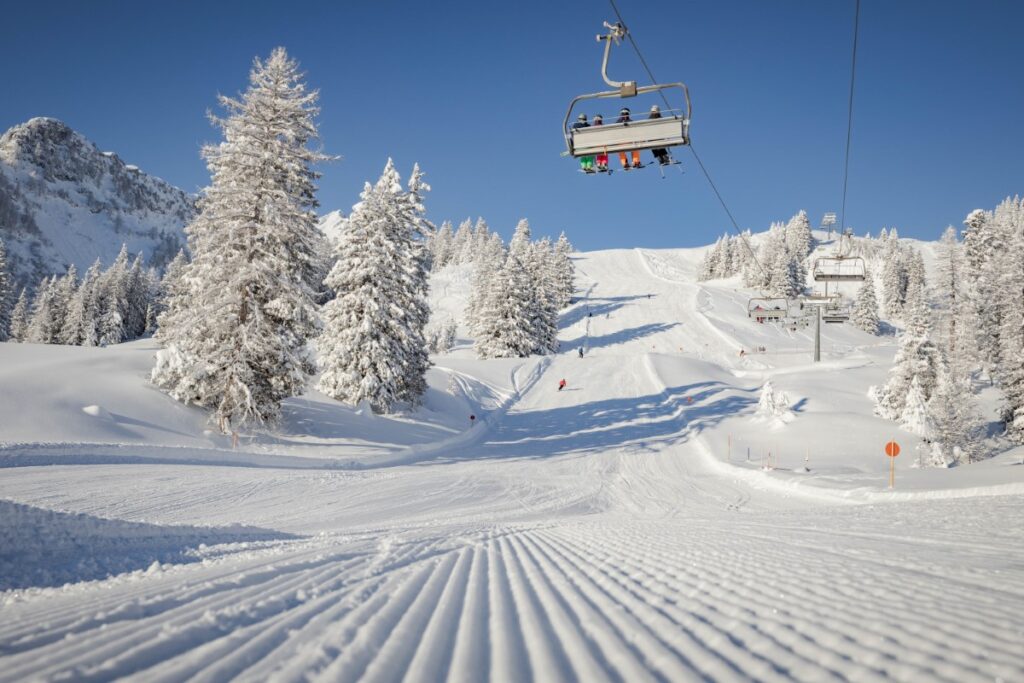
[839, 269]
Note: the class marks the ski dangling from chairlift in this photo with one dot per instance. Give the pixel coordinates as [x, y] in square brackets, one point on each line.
[659, 132]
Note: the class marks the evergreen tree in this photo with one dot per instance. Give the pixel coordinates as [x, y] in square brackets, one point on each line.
[238, 343]
[865, 311]
[373, 348]
[441, 256]
[407, 233]
[81, 325]
[917, 357]
[43, 325]
[505, 328]
[564, 271]
[799, 239]
[19, 318]
[542, 275]
[894, 278]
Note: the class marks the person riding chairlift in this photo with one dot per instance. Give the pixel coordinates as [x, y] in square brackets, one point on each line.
[660, 154]
[586, 163]
[624, 118]
[602, 159]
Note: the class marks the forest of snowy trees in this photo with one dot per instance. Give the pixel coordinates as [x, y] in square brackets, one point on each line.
[964, 327]
[242, 320]
[101, 308]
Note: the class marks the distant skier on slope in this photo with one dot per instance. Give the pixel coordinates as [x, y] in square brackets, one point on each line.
[561, 385]
[581, 352]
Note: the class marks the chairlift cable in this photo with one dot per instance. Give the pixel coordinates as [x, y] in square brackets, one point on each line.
[849, 115]
[700, 163]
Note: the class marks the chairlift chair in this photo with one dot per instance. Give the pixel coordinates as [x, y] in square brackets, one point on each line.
[836, 312]
[839, 269]
[671, 130]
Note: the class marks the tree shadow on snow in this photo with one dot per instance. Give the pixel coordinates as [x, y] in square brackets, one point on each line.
[619, 337]
[641, 423]
[40, 547]
[596, 307]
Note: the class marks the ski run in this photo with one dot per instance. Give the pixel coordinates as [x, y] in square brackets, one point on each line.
[626, 528]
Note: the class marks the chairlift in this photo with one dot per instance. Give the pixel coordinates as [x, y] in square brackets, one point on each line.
[839, 269]
[768, 308]
[835, 312]
[671, 130]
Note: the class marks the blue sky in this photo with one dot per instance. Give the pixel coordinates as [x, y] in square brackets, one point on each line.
[476, 92]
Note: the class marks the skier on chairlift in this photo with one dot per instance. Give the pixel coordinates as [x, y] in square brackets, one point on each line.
[660, 154]
[602, 159]
[586, 163]
[635, 154]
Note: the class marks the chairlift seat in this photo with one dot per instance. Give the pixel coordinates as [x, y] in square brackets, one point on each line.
[660, 133]
[839, 269]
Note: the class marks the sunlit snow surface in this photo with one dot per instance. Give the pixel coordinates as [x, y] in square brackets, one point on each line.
[615, 530]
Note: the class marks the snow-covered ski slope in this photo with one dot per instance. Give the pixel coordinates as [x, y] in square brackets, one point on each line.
[601, 532]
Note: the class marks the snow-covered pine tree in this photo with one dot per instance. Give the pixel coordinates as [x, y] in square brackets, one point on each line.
[462, 243]
[917, 286]
[894, 278]
[239, 346]
[372, 348]
[80, 326]
[505, 320]
[565, 271]
[19, 318]
[6, 295]
[442, 245]
[915, 417]
[799, 239]
[957, 423]
[485, 269]
[63, 294]
[43, 325]
[540, 264]
[408, 232]
[864, 315]
[172, 290]
[1011, 337]
[917, 357]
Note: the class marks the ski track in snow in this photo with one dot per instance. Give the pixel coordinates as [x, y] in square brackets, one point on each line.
[581, 535]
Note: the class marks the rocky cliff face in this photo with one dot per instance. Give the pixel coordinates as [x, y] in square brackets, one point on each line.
[63, 201]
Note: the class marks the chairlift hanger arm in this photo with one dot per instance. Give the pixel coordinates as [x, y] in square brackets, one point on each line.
[616, 32]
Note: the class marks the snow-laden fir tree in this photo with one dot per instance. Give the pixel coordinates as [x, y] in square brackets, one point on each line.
[1011, 336]
[799, 239]
[486, 268]
[409, 232]
[505, 321]
[894, 276]
[43, 324]
[917, 358]
[81, 326]
[19, 318]
[957, 423]
[441, 246]
[240, 344]
[916, 284]
[372, 348]
[564, 271]
[6, 295]
[864, 315]
[541, 266]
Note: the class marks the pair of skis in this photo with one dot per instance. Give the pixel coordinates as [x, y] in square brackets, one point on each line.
[609, 171]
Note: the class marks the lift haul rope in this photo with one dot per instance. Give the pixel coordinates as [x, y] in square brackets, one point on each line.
[700, 163]
[849, 116]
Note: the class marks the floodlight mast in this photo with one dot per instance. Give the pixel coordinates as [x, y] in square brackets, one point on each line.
[616, 32]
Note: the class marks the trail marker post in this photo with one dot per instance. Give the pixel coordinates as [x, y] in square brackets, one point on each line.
[892, 449]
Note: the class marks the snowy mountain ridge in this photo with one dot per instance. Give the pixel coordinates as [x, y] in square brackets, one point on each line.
[63, 201]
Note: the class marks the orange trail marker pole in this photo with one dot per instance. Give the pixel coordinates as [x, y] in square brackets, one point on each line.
[892, 449]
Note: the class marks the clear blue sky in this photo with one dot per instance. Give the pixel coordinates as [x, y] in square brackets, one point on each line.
[476, 92]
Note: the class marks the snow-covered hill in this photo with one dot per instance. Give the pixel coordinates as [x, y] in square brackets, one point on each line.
[63, 201]
[624, 528]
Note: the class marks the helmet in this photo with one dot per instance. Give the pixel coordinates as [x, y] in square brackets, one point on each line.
[624, 110]
[581, 117]
[598, 116]
[654, 108]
